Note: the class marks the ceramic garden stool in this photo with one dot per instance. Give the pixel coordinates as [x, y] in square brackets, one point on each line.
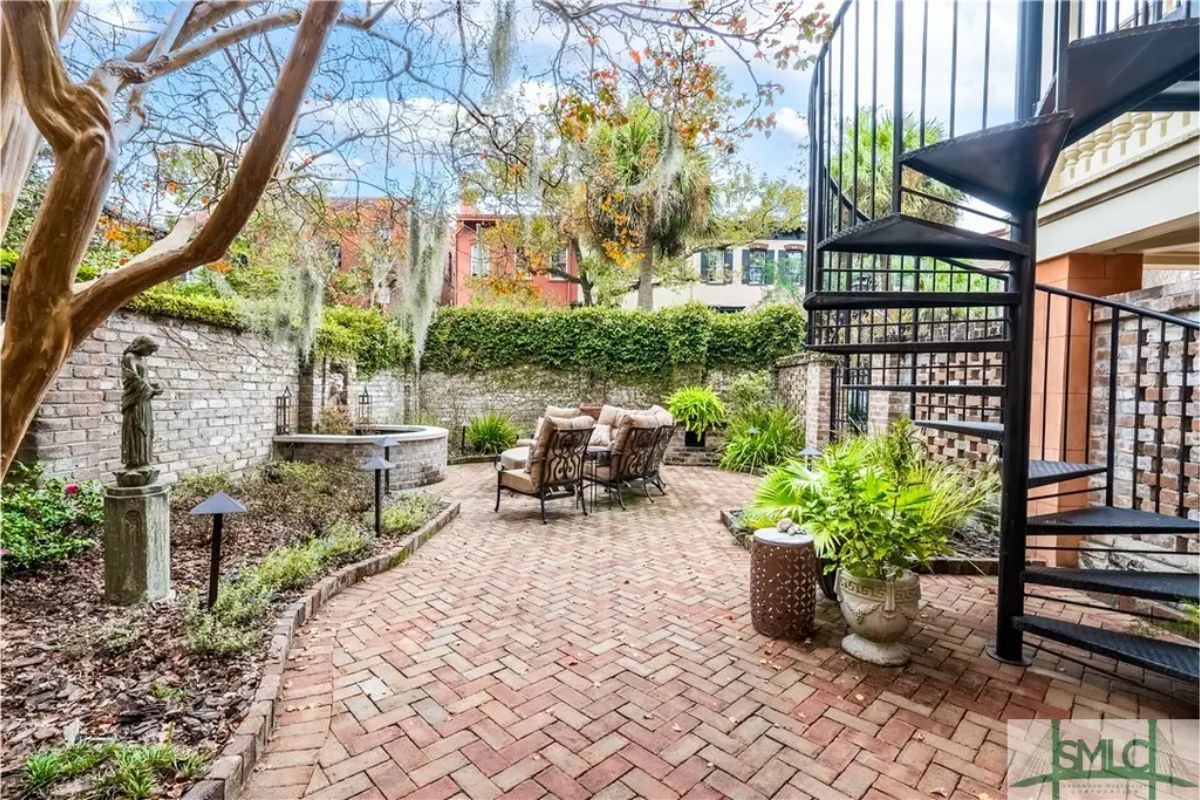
[783, 584]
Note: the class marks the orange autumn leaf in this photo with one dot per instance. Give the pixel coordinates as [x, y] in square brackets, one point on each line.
[221, 266]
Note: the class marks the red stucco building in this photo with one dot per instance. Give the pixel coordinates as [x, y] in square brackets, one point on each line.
[473, 262]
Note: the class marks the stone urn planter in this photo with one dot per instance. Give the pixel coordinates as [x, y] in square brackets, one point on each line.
[878, 613]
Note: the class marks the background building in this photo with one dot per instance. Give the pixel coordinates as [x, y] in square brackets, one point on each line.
[738, 278]
[477, 269]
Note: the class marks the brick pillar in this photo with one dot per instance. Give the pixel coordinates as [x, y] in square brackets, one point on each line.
[1059, 428]
[818, 399]
[884, 408]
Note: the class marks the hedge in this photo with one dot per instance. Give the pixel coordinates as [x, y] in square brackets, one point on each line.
[610, 341]
[373, 341]
[361, 335]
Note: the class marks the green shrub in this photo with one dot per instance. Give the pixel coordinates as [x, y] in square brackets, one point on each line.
[202, 484]
[111, 769]
[46, 520]
[167, 302]
[402, 517]
[749, 390]
[343, 544]
[762, 437]
[374, 342]
[491, 433]
[697, 407]
[336, 420]
[288, 567]
[610, 342]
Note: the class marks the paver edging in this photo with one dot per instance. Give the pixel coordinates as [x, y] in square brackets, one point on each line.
[233, 764]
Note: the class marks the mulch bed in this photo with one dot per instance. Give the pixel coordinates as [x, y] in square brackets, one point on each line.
[73, 665]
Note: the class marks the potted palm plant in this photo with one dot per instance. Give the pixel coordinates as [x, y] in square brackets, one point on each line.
[699, 409]
[876, 507]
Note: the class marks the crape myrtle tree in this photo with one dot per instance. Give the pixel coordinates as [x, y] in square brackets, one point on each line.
[372, 94]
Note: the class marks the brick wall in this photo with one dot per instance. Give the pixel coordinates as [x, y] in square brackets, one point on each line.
[1156, 462]
[217, 411]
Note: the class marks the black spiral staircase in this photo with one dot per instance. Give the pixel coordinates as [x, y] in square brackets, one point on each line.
[922, 307]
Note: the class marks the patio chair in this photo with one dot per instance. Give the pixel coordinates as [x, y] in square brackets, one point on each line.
[666, 430]
[632, 454]
[555, 466]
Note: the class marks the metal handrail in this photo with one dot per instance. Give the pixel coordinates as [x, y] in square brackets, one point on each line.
[1170, 319]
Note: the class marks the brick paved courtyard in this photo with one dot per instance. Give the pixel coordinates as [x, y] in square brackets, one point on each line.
[613, 657]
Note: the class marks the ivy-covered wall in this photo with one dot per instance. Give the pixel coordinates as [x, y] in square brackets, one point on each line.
[481, 359]
[610, 344]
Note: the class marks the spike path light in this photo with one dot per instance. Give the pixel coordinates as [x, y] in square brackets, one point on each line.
[377, 464]
[216, 506]
[387, 442]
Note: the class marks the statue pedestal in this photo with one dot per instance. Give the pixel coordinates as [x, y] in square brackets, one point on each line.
[137, 543]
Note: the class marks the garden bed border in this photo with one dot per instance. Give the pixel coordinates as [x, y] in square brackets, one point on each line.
[229, 771]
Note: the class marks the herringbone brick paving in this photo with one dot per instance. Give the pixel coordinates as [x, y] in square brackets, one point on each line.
[613, 657]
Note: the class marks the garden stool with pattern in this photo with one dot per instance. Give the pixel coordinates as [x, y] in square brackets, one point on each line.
[783, 584]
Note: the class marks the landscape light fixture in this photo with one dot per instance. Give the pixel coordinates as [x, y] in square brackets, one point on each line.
[217, 506]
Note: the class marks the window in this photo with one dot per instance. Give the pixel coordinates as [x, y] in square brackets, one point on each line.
[560, 262]
[713, 266]
[758, 266]
[789, 268]
[480, 258]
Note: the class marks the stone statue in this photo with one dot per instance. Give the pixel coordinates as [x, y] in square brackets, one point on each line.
[137, 424]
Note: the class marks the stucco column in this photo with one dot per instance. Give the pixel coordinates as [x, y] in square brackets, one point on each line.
[1062, 363]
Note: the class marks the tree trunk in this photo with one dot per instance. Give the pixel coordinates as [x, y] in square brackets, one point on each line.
[19, 137]
[75, 120]
[47, 315]
[646, 276]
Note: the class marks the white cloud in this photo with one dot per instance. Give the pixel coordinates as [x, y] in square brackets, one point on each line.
[789, 121]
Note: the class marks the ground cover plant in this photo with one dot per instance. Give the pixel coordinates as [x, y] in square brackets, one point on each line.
[491, 433]
[130, 674]
[761, 436]
[46, 520]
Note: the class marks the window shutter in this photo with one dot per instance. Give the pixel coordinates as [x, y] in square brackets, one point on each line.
[745, 266]
[728, 277]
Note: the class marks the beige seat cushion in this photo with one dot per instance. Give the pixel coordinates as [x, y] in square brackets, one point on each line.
[562, 412]
[601, 436]
[629, 420]
[664, 416]
[518, 479]
[538, 449]
[515, 458]
[609, 415]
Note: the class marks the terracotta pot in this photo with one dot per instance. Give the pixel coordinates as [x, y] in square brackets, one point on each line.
[878, 612]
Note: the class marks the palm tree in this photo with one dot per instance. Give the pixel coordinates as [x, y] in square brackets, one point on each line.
[874, 180]
[650, 193]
